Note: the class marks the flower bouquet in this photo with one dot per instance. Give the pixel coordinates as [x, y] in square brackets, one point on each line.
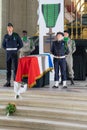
[10, 109]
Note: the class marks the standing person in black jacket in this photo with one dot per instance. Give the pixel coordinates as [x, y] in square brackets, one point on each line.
[11, 43]
[59, 50]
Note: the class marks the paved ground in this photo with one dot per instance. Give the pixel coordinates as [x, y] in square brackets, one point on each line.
[80, 86]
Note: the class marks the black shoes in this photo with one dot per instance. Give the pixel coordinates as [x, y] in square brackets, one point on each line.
[64, 87]
[55, 86]
[58, 87]
[7, 84]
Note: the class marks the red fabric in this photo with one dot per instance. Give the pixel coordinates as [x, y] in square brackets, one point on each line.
[28, 66]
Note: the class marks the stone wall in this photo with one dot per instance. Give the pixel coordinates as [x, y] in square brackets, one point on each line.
[23, 15]
[2, 59]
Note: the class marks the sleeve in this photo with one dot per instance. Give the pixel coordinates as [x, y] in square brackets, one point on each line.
[66, 49]
[19, 42]
[52, 48]
[4, 43]
[73, 46]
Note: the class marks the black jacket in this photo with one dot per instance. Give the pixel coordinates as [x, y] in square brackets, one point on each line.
[12, 43]
[59, 48]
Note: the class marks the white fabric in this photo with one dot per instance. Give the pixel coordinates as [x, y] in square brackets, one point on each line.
[59, 57]
[10, 49]
[40, 64]
[56, 83]
[64, 83]
[19, 88]
[43, 62]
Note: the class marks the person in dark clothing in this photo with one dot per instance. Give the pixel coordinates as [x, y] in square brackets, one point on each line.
[11, 43]
[59, 50]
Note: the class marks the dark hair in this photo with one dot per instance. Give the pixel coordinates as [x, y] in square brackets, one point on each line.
[24, 31]
[10, 25]
[66, 31]
[60, 33]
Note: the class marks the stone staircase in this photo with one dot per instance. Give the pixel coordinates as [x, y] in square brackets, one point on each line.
[45, 109]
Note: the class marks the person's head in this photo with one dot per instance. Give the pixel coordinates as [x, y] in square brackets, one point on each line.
[10, 28]
[66, 33]
[59, 36]
[24, 32]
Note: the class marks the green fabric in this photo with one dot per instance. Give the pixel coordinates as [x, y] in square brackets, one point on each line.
[66, 46]
[66, 39]
[50, 14]
[24, 39]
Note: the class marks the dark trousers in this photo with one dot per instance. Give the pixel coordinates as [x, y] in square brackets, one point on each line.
[11, 63]
[60, 63]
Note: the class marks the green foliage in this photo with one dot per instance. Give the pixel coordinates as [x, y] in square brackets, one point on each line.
[10, 108]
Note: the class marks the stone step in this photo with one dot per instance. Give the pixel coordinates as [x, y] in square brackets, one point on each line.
[48, 103]
[50, 95]
[42, 110]
[48, 113]
[13, 128]
[40, 124]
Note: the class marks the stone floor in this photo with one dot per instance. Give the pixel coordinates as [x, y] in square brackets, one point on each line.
[67, 107]
[80, 86]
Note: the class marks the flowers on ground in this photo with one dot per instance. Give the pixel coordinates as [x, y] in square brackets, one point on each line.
[10, 109]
